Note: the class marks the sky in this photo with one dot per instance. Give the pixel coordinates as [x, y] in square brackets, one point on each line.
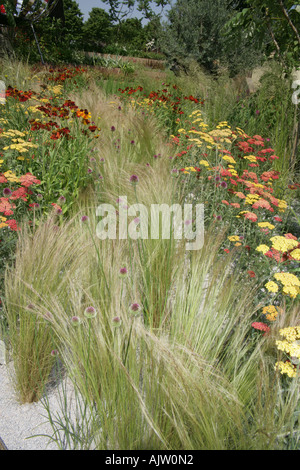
[87, 5]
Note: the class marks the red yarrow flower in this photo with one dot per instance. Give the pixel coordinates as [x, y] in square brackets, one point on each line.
[261, 327]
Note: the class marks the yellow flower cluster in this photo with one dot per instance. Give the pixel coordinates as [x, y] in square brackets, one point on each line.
[229, 159]
[291, 346]
[283, 244]
[262, 248]
[212, 139]
[18, 143]
[10, 176]
[286, 368]
[56, 89]
[295, 254]
[290, 284]
[282, 205]
[266, 225]
[271, 312]
[234, 238]
[12, 133]
[251, 199]
[2, 220]
[290, 333]
[188, 169]
[251, 158]
[271, 286]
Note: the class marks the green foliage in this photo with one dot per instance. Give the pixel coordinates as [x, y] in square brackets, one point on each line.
[98, 30]
[194, 32]
[121, 9]
[275, 25]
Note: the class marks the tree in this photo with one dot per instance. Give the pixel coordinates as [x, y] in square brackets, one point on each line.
[121, 9]
[194, 31]
[276, 23]
[67, 33]
[130, 33]
[97, 29]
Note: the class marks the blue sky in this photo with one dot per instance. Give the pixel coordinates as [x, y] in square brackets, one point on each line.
[86, 6]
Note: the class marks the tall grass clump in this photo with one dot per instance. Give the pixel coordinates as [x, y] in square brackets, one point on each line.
[156, 339]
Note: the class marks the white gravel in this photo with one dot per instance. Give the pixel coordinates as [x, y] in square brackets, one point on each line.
[18, 422]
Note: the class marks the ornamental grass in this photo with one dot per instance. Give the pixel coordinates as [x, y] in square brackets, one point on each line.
[167, 349]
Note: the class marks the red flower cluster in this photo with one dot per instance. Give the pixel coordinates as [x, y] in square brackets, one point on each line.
[164, 96]
[261, 326]
[19, 94]
[62, 74]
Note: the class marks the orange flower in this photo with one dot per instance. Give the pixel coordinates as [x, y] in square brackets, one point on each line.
[251, 216]
[28, 179]
[6, 207]
[262, 203]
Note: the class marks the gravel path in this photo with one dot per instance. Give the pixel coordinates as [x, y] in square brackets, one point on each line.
[18, 422]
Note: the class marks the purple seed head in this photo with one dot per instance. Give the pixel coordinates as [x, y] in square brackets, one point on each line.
[123, 272]
[6, 192]
[90, 312]
[135, 308]
[134, 179]
[84, 218]
[224, 184]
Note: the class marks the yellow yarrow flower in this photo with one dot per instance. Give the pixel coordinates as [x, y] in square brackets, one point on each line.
[229, 159]
[283, 244]
[287, 279]
[286, 368]
[234, 238]
[262, 248]
[271, 312]
[266, 225]
[294, 254]
[290, 333]
[271, 286]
